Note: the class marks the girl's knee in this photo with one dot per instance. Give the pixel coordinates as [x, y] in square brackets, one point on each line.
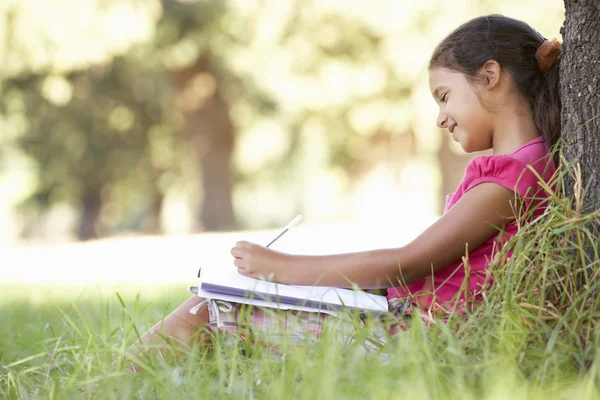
[194, 311]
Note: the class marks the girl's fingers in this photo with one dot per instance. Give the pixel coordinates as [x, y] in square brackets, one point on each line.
[240, 263]
[237, 252]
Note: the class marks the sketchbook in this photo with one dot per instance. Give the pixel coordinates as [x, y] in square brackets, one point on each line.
[228, 284]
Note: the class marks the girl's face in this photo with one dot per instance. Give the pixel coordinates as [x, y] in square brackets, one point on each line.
[461, 111]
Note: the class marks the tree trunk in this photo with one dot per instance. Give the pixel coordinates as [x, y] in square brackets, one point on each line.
[152, 221]
[580, 93]
[91, 204]
[210, 130]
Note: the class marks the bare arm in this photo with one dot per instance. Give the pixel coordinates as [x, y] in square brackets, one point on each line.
[472, 220]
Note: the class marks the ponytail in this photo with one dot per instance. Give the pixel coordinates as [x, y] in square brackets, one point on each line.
[546, 103]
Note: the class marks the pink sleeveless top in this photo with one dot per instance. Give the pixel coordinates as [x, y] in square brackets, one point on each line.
[508, 170]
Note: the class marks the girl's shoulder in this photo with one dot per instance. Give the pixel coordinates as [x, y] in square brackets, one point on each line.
[517, 171]
[534, 153]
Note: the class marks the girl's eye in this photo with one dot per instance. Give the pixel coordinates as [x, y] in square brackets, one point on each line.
[444, 97]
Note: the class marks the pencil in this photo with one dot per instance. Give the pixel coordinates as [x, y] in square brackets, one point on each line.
[287, 228]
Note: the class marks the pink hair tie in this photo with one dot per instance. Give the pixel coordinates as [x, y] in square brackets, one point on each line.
[547, 53]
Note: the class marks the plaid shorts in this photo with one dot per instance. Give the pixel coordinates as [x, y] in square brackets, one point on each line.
[270, 328]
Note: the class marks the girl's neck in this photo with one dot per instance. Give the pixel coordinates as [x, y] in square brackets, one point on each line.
[515, 127]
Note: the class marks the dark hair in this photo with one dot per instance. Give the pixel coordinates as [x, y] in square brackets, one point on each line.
[513, 44]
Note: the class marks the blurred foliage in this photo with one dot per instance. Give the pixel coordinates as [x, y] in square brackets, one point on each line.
[232, 113]
[102, 136]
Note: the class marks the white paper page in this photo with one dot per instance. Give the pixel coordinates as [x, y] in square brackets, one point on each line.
[229, 277]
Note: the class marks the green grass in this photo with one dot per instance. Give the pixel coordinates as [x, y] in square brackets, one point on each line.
[534, 336]
[61, 345]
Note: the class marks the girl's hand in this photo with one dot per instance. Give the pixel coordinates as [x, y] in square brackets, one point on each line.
[259, 262]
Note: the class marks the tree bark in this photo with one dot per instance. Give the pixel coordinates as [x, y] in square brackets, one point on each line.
[213, 139]
[580, 94]
[211, 132]
[91, 204]
[152, 222]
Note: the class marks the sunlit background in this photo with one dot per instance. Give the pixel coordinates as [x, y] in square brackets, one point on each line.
[140, 139]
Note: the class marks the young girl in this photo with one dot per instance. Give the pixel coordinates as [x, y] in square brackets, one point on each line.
[495, 80]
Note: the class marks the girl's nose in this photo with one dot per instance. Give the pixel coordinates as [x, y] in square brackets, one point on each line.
[442, 120]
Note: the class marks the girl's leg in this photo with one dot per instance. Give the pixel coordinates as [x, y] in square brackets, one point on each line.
[179, 330]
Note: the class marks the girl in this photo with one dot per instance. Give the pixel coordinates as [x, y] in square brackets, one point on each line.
[495, 80]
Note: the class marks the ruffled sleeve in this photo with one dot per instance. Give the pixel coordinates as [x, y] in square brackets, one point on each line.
[506, 171]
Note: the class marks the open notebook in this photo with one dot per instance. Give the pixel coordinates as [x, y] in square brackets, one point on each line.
[227, 284]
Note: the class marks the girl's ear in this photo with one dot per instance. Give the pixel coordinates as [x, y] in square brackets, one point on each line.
[490, 73]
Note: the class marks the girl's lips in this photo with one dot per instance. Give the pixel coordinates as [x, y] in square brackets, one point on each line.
[452, 128]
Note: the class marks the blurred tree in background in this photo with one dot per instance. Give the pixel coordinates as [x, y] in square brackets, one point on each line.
[133, 114]
[92, 137]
